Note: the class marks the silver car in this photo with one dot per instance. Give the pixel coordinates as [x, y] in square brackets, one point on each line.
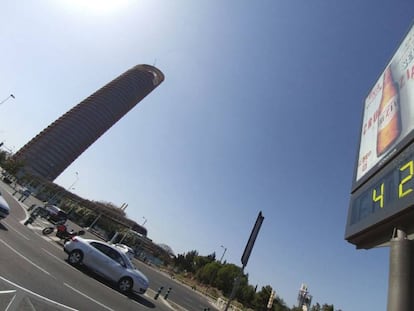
[107, 261]
[4, 208]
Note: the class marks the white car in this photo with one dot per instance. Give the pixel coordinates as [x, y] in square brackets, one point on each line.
[4, 208]
[126, 250]
[107, 261]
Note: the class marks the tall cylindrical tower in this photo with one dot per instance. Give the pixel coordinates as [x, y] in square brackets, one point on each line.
[57, 146]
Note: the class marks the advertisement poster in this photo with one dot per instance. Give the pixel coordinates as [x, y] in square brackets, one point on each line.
[388, 115]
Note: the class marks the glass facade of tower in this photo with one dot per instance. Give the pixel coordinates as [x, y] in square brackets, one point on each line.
[57, 146]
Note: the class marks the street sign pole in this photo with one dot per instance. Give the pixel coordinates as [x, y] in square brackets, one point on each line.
[245, 257]
[235, 288]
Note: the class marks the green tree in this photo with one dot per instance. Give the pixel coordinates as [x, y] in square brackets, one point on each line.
[221, 276]
[327, 307]
[3, 157]
[262, 298]
[200, 261]
[226, 276]
[186, 262]
[280, 305]
[207, 274]
[246, 293]
[190, 263]
[12, 166]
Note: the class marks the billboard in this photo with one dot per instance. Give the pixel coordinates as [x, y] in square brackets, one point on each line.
[382, 196]
[388, 113]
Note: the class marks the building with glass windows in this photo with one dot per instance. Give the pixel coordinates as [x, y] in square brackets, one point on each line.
[49, 153]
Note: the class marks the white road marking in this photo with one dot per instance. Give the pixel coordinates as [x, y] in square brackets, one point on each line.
[21, 234]
[67, 285]
[25, 258]
[37, 295]
[50, 254]
[80, 293]
[11, 302]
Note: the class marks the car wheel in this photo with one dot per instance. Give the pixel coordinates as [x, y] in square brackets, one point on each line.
[47, 230]
[75, 257]
[125, 285]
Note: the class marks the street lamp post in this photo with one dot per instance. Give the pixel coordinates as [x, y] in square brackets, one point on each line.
[7, 98]
[222, 256]
[76, 180]
[213, 275]
[68, 189]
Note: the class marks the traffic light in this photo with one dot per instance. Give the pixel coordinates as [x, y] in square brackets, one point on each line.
[271, 298]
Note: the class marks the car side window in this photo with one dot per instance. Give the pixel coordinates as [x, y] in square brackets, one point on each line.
[102, 248]
[115, 256]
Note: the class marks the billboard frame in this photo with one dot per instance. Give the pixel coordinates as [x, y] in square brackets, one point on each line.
[376, 228]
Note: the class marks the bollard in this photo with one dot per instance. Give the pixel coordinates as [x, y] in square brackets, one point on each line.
[167, 293]
[30, 220]
[158, 293]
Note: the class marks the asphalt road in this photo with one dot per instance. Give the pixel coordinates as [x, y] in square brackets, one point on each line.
[34, 275]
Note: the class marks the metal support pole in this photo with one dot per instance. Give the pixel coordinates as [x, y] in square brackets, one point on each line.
[235, 288]
[399, 281]
[125, 235]
[94, 222]
[112, 240]
[222, 256]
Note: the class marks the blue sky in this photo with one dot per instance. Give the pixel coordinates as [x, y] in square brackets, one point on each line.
[260, 110]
